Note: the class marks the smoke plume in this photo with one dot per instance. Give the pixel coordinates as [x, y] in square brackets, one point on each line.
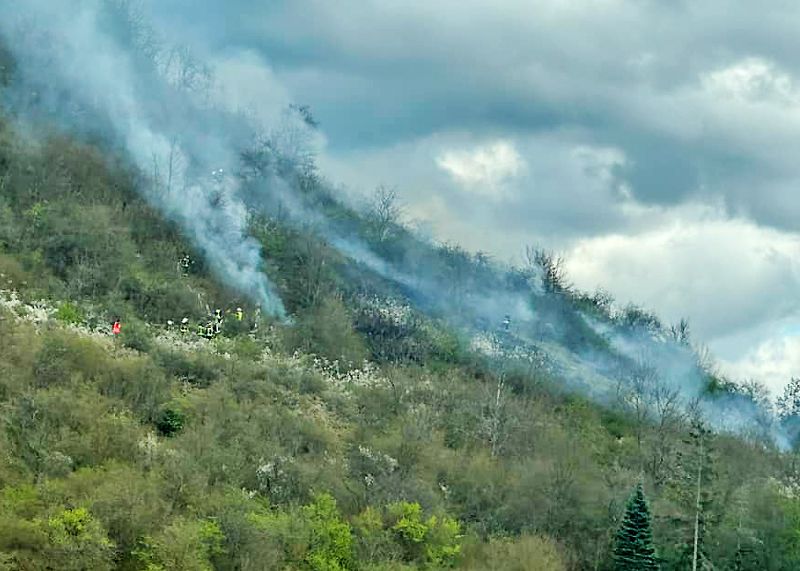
[90, 66]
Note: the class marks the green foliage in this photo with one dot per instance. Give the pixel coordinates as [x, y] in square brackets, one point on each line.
[185, 544]
[634, 549]
[64, 355]
[136, 335]
[525, 553]
[75, 528]
[198, 369]
[188, 454]
[12, 273]
[139, 383]
[408, 526]
[331, 544]
[401, 531]
[326, 329]
[69, 539]
[158, 299]
[170, 422]
[69, 313]
[692, 487]
[232, 327]
[312, 537]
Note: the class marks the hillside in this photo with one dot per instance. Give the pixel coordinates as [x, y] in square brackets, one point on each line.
[384, 403]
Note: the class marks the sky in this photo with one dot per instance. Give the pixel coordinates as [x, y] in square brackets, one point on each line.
[653, 144]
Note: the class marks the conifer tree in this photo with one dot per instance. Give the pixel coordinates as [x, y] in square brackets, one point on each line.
[634, 550]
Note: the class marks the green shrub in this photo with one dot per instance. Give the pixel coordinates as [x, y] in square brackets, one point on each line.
[313, 537]
[69, 313]
[198, 369]
[65, 355]
[232, 327]
[12, 275]
[523, 553]
[69, 539]
[170, 422]
[327, 330]
[136, 335]
[185, 544]
[139, 383]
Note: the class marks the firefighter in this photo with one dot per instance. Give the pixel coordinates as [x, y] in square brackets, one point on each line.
[170, 324]
[506, 322]
[209, 333]
[218, 318]
[184, 326]
[201, 330]
[239, 314]
[185, 263]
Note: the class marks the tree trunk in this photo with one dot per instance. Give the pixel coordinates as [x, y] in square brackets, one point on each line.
[697, 508]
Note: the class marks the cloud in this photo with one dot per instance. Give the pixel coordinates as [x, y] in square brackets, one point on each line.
[752, 79]
[655, 142]
[772, 362]
[483, 170]
[497, 195]
[726, 275]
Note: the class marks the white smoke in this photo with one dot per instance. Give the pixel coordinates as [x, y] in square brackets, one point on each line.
[77, 67]
[84, 64]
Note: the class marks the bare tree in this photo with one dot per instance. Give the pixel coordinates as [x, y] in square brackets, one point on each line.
[291, 143]
[495, 418]
[311, 263]
[184, 71]
[384, 212]
[658, 414]
[163, 182]
[635, 392]
[669, 416]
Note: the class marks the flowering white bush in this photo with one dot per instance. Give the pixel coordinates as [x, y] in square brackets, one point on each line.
[394, 331]
[390, 311]
[274, 477]
[367, 376]
[490, 345]
[486, 344]
[148, 448]
[38, 311]
[384, 461]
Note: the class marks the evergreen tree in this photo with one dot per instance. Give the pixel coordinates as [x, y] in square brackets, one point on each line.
[634, 550]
